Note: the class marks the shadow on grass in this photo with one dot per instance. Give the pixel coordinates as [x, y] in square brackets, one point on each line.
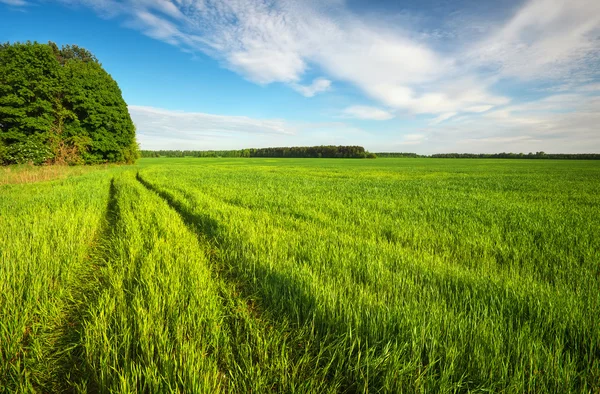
[283, 295]
[262, 307]
[279, 303]
[201, 225]
[69, 370]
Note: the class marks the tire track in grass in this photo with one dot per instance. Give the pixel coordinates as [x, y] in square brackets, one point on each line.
[155, 326]
[264, 353]
[496, 305]
[345, 360]
[67, 368]
[354, 362]
[95, 345]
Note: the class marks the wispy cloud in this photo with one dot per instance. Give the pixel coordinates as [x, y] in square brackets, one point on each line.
[560, 123]
[443, 117]
[279, 40]
[317, 86]
[412, 139]
[159, 128]
[180, 121]
[453, 71]
[555, 39]
[15, 3]
[366, 112]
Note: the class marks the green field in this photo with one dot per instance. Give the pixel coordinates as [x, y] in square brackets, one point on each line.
[303, 275]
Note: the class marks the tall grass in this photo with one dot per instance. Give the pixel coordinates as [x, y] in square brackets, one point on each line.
[165, 322]
[46, 232]
[303, 275]
[433, 279]
[19, 174]
[144, 310]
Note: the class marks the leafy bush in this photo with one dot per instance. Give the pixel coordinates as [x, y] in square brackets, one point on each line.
[132, 153]
[31, 150]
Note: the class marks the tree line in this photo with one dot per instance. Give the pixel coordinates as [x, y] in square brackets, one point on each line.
[359, 152]
[530, 155]
[58, 105]
[397, 154]
[503, 155]
[324, 151]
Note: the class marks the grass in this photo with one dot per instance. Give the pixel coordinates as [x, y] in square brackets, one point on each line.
[300, 275]
[19, 174]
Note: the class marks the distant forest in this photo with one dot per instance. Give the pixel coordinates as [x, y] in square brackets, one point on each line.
[327, 151]
[358, 152]
[503, 155]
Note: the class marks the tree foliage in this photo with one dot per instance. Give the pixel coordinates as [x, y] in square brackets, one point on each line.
[59, 105]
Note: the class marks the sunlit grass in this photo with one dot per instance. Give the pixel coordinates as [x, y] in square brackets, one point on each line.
[19, 174]
[258, 275]
[462, 276]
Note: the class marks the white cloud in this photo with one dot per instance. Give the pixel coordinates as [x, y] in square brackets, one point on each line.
[156, 27]
[443, 117]
[592, 87]
[366, 112]
[150, 118]
[279, 40]
[545, 39]
[412, 139]
[399, 64]
[319, 85]
[159, 128]
[479, 108]
[554, 103]
[558, 124]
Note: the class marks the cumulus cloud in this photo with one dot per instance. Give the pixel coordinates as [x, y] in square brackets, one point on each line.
[366, 112]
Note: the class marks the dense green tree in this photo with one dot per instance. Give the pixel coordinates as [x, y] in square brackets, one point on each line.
[60, 105]
[29, 77]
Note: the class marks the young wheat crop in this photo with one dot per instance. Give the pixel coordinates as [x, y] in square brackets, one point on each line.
[300, 275]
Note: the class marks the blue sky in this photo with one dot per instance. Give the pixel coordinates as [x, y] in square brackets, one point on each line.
[416, 76]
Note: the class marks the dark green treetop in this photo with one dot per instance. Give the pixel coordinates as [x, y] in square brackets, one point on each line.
[63, 105]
